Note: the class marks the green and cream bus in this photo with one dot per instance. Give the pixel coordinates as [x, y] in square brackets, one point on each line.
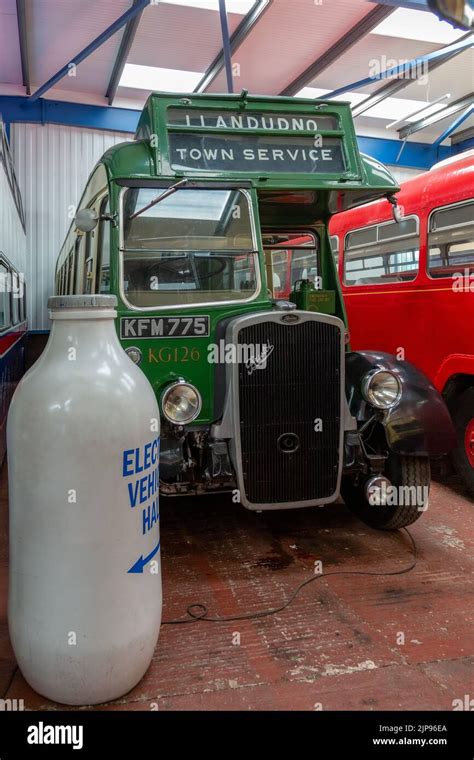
[195, 226]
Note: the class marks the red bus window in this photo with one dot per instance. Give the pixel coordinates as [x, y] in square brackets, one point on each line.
[384, 253]
[5, 297]
[451, 240]
[290, 257]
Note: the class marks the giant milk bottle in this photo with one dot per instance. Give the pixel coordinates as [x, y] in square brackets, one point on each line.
[85, 581]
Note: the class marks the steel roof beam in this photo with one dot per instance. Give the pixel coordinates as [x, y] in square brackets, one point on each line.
[236, 39]
[456, 123]
[413, 5]
[453, 108]
[125, 46]
[22, 35]
[92, 47]
[463, 136]
[226, 45]
[330, 56]
[395, 85]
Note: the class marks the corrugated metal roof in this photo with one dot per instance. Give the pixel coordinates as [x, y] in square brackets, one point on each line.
[288, 37]
[10, 62]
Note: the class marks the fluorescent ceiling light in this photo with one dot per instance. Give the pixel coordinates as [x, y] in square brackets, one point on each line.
[418, 25]
[233, 6]
[398, 108]
[153, 78]
[314, 92]
[389, 109]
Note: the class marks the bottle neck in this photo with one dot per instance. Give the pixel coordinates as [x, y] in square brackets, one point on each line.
[94, 337]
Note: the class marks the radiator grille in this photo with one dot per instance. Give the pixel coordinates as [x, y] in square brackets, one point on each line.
[301, 383]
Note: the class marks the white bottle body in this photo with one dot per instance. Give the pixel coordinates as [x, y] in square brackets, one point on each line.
[82, 423]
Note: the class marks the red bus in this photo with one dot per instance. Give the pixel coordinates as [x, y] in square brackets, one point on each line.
[409, 286]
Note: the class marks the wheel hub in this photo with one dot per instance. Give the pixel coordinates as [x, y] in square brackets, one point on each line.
[377, 489]
[469, 442]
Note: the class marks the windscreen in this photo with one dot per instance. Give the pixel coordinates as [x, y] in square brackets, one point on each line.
[193, 246]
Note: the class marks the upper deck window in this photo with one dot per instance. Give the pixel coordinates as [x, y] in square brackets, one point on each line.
[194, 246]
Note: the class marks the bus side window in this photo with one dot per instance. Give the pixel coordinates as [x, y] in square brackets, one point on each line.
[70, 270]
[22, 300]
[66, 276]
[451, 240]
[387, 252]
[5, 297]
[103, 258]
[97, 253]
[15, 303]
[89, 268]
[79, 249]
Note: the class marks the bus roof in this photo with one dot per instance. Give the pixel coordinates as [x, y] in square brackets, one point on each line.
[447, 182]
[269, 142]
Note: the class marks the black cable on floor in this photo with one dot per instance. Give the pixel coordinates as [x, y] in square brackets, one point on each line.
[198, 612]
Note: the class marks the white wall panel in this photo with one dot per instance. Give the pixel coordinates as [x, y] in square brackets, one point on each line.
[52, 164]
[402, 173]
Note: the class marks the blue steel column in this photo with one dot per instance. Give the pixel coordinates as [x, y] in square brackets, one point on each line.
[226, 46]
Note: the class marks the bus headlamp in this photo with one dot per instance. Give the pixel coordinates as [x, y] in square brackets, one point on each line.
[382, 389]
[181, 403]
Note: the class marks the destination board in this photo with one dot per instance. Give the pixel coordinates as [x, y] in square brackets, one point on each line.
[256, 153]
[251, 120]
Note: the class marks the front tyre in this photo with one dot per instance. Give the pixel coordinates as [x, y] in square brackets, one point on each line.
[463, 454]
[411, 477]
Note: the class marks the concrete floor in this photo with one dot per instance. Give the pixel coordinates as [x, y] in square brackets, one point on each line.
[338, 647]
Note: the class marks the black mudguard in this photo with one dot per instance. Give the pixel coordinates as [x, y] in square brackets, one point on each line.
[420, 424]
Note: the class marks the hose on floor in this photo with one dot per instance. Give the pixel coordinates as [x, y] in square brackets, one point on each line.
[198, 612]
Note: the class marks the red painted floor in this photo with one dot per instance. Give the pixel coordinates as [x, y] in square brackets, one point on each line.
[338, 647]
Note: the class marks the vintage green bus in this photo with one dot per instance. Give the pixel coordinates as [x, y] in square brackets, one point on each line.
[211, 228]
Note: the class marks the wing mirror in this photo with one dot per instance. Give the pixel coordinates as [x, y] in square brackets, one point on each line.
[397, 211]
[86, 219]
[459, 12]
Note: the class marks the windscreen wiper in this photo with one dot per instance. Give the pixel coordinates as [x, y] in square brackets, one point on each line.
[161, 197]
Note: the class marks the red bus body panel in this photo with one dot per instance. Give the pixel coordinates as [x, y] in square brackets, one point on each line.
[424, 317]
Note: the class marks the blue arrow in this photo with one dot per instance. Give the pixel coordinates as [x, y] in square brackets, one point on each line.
[141, 561]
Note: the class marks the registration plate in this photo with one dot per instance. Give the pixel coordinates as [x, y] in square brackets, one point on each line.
[164, 327]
